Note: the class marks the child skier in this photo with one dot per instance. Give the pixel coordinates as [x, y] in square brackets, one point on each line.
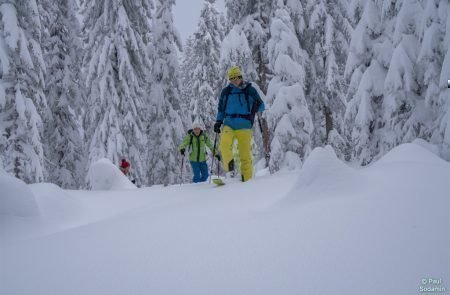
[197, 141]
[125, 168]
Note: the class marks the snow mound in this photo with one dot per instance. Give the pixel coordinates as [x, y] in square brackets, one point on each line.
[55, 203]
[425, 144]
[16, 198]
[418, 152]
[324, 168]
[104, 175]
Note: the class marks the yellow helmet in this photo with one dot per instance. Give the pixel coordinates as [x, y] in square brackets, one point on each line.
[234, 73]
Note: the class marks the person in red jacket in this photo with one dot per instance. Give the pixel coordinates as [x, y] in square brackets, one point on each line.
[125, 167]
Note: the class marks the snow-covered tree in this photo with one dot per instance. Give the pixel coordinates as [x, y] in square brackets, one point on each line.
[22, 98]
[188, 64]
[205, 79]
[297, 12]
[165, 126]
[252, 20]
[64, 144]
[236, 51]
[326, 40]
[402, 93]
[117, 68]
[397, 71]
[288, 115]
[442, 132]
[366, 67]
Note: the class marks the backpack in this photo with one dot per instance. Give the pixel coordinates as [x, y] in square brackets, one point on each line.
[190, 132]
[252, 111]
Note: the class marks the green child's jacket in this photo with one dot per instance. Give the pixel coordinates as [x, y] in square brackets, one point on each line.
[197, 146]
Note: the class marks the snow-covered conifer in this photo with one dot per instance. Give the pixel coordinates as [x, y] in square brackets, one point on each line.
[188, 63]
[442, 134]
[401, 97]
[288, 113]
[327, 38]
[165, 126]
[117, 66]
[368, 59]
[64, 144]
[22, 98]
[252, 19]
[205, 79]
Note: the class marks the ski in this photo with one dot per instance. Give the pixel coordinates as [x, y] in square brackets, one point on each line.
[218, 181]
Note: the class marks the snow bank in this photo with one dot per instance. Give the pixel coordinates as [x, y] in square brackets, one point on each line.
[16, 199]
[324, 168]
[338, 231]
[104, 175]
[418, 152]
[56, 204]
[425, 144]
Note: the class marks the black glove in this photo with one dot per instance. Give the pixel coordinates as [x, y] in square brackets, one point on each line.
[182, 151]
[217, 157]
[217, 126]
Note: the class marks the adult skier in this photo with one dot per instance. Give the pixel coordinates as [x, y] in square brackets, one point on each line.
[238, 104]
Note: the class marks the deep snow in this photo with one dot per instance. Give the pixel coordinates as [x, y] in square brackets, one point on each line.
[326, 229]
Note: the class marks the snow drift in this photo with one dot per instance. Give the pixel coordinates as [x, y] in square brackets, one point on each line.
[104, 175]
[16, 198]
[326, 229]
[56, 204]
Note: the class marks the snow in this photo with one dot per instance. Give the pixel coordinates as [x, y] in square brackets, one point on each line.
[16, 199]
[419, 152]
[324, 167]
[2, 96]
[325, 229]
[23, 50]
[104, 175]
[4, 61]
[55, 204]
[11, 27]
[20, 104]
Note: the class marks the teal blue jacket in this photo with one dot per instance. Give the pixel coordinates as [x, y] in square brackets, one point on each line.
[238, 106]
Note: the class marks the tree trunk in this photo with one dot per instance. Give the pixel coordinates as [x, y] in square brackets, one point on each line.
[328, 122]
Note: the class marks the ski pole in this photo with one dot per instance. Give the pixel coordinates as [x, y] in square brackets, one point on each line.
[182, 166]
[214, 153]
[265, 138]
[218, 168]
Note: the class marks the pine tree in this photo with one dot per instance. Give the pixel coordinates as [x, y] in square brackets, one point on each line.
[62, 48]
[236, 51]
[117, 69]
[188, 63]
[442, 132]
[288, 114]
[327, 38]
[22, 99]
[205, 76]
[402, 93]
[431, 53]
[366, 67]
[252, 19]
[165, 129]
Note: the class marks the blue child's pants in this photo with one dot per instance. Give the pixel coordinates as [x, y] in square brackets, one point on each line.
[200, 170]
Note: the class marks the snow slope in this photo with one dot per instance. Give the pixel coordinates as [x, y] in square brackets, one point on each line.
[326, 229]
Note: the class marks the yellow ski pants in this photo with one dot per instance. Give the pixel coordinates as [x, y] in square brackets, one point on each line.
[244, 138]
